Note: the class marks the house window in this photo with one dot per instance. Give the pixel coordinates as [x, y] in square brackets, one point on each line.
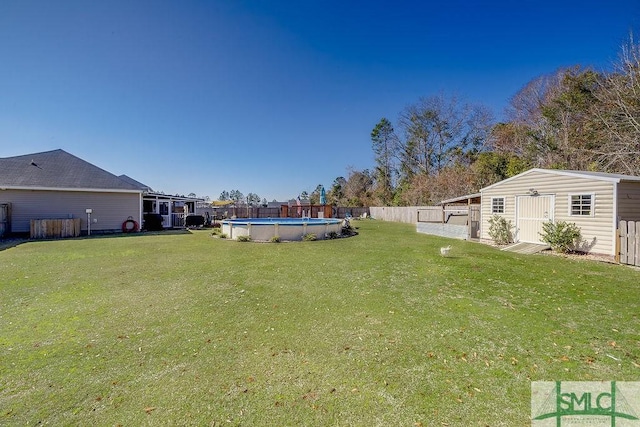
[497, 205]
[581, 204]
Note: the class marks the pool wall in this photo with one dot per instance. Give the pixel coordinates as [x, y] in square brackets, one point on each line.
[263, 230]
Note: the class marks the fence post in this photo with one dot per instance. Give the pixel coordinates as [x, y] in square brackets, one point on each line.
[631, 242]
[623, 241]
[617, 256]
[637, 260]
[469, 219]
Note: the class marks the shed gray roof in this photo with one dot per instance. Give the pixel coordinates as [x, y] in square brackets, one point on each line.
[600, 176]
[464, 198]
[58, 169]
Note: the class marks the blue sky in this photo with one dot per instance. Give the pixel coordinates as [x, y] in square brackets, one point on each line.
[269, 97]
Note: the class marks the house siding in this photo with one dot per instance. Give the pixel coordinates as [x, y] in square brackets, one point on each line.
[110, 209]
[597, 230]
[629, 201]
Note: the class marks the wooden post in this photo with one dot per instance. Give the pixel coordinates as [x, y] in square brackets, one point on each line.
[631, 242]
[622, 242]
[617, 256]
[637, 260]
[469, 218]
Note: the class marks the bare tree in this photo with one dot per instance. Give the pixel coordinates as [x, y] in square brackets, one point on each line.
[451, 182]
[529, 134]
[440, 131]
[358, 188]
[431, 127]
[416, 191]
[619, 114]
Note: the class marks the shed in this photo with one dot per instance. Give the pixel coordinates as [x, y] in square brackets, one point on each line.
[594, 201]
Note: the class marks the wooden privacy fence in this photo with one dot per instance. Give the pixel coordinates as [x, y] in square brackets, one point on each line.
[405, 214]
[290, 211]
[54, 228]
[628, 243]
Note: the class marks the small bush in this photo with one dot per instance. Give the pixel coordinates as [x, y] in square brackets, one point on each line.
[561, 236]
[223, 235]
[275, 239]
[244, 238]
[500, 230]
[216, 232]
[332, 235]
[309, 237]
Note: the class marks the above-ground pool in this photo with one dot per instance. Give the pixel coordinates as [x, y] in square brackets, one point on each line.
[265, 229]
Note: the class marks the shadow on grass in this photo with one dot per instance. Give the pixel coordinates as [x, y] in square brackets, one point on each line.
[11, 242]
[15, 241]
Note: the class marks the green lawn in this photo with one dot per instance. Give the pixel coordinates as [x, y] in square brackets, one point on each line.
[374, 330]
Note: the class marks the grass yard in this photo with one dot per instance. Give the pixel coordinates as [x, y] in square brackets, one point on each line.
[374, 330]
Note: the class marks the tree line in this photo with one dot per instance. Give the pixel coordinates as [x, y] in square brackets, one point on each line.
[440, 147]
[252, 199]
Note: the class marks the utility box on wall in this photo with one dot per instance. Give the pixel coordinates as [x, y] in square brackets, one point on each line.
[5, 219]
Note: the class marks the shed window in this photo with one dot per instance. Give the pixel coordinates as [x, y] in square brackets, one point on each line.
[582, 204]
[497, 205]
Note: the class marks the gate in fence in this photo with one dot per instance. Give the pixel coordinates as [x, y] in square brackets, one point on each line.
[628, 243]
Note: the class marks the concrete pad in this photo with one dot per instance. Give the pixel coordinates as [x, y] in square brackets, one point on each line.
[526, 248]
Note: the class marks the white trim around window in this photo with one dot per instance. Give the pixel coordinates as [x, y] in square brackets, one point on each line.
[581, 204]
[498, 205]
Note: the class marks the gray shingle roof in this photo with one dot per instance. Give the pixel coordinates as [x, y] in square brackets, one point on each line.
[57, 169]
[138, 184]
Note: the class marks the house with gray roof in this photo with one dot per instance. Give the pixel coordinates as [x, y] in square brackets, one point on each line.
[58, 185]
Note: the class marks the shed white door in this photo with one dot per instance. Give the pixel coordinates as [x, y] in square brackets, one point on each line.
[531, 212]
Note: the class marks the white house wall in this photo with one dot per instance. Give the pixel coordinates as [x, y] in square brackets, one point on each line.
[109, 209]
[597, 230]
